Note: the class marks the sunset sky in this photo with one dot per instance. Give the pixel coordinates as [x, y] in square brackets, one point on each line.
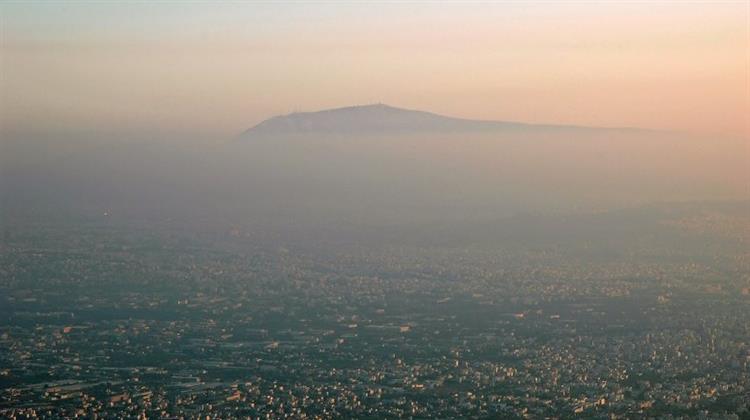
[215, 69]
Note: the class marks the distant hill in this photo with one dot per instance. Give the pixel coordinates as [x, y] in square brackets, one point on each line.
[382, 119]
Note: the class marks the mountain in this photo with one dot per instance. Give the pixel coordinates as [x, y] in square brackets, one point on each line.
[385, 119]
[378, 162]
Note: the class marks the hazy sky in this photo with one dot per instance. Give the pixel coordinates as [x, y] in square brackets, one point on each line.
[216, 69]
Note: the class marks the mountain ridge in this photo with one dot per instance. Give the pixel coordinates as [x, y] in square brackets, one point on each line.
[382, 118]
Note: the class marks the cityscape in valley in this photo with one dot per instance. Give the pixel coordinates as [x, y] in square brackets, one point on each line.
[99, 319]
[374, 210]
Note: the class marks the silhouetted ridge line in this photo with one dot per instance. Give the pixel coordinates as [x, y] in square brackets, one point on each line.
[383, 119]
